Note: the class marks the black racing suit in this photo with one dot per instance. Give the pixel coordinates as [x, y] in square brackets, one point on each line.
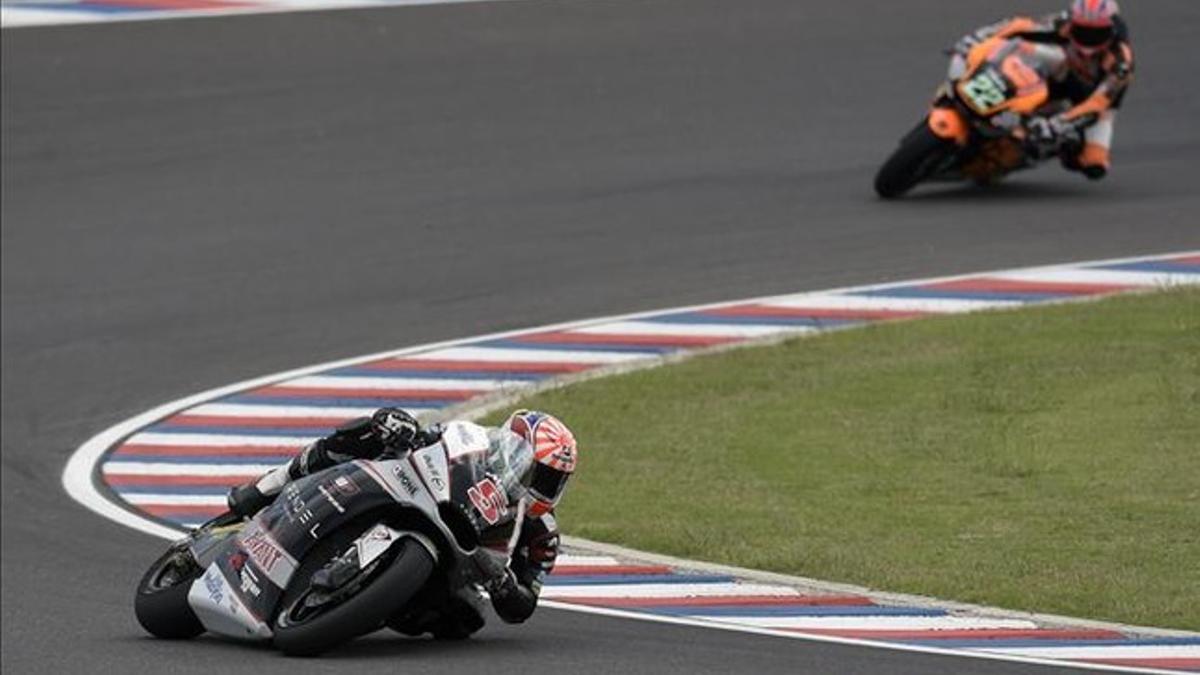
[514, 597]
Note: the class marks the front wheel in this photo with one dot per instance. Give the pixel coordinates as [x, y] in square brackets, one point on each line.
[311, 622]
[920, 154]
[161, 601]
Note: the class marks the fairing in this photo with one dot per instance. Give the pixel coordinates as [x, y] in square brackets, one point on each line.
[1006, 81]
[478, 476]
[1003, 75]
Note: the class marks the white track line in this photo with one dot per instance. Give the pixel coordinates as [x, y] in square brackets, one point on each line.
[868, 622]
[535, 355]
[1103, 652]
[1094, 276]
[21, 17]
[705, 590]
[654, 329]
[17, 17]
[875, 302]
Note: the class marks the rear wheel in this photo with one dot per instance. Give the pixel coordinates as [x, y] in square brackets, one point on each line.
[161, 602]
[312, 620]
[920, 154]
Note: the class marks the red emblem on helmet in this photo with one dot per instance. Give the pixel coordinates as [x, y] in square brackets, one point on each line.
[1093, 24]
[1094, 12]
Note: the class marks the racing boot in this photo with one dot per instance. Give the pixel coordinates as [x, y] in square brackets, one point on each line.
[247, 500]
[1093, 161]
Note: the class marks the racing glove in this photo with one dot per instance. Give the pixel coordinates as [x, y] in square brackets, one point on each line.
[1046, 136]
[395, 428]
[535, 552]
[515, 593]
[513, 602]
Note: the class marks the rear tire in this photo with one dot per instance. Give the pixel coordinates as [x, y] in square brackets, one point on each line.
[161, 602]
[301, 633]
[919, 155]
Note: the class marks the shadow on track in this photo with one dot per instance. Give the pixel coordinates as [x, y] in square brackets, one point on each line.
[382, 645]
[389, 645]
[1031, 191]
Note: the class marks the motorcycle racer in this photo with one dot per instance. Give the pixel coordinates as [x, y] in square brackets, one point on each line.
[1090, 56]
[514, 593]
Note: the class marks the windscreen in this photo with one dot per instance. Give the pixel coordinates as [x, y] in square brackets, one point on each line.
[510, 458]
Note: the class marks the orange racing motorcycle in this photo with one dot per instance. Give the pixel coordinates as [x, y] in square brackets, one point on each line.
[981, 125]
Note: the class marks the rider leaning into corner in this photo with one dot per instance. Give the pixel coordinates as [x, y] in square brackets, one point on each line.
[514, 594]
[1087, 50]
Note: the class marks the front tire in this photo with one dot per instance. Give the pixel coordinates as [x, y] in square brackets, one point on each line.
[161, 603]
[920, 153]
[301, 630]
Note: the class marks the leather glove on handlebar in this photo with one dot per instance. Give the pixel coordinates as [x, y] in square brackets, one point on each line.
[512, 602]
[395, 428]
[1046, 136]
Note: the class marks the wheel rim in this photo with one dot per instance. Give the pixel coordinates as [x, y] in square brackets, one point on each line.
[176, 568]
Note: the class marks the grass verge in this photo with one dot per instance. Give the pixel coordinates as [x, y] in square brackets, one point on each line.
[1045, 459]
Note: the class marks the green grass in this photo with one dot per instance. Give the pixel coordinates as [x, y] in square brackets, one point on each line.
[1045, 459]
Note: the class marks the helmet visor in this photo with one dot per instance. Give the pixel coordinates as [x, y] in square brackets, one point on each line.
[1091, 36]
[547, 483]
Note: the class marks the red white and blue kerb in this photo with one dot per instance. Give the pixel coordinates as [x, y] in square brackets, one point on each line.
[178, 469]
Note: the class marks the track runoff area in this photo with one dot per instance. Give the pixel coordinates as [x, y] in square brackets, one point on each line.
[169, 468]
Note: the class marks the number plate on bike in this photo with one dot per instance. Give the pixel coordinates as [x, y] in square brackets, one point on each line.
[986, 91]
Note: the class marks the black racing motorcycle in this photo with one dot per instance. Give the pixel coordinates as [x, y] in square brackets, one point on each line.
[408, 542]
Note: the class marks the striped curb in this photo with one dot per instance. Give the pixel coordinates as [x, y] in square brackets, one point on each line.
[170, 468]
[21, 13]
[632, 587]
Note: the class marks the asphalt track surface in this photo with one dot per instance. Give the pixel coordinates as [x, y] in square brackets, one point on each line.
[192, 203]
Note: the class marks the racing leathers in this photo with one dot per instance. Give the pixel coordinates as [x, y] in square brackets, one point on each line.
[1086, 86]
[514, 592]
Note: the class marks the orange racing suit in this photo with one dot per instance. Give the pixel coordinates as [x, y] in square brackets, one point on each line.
[1086, 88]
